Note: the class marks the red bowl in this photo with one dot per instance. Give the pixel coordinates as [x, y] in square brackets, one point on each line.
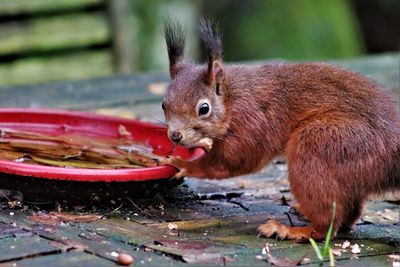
[56, 122]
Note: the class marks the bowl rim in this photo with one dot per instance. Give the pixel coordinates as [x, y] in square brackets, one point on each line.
[88, 175]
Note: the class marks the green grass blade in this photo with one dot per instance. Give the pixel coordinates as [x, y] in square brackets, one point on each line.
[327, 239]
[331, 258]
[316, 249]
[325, 251]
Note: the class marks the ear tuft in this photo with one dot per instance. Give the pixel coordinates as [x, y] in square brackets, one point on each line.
[175, 40]
[212, 41]
[211, 37]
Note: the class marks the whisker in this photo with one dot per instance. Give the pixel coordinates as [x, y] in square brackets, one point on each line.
[164, 126]
[155, 120]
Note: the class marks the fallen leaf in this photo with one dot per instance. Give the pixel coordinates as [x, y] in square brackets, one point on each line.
[181, 244]
[80, 218]
[387, 216]
[191, 251]
[204, 258]
[45, 219]
[391, 215]
[56, 218]
[283, 262]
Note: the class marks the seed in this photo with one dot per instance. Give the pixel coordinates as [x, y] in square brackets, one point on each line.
[125, 259]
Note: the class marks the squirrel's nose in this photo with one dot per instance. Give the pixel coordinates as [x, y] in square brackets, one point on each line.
[175, 136]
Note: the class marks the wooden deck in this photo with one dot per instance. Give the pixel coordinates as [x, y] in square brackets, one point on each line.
[200, 222]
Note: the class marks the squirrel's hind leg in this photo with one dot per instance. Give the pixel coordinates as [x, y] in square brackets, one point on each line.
[318, 179]
[354, 213]
[299, 233]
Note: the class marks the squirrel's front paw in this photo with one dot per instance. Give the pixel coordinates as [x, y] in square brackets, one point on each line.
[186, 168]
[181, 174]
[177, 162]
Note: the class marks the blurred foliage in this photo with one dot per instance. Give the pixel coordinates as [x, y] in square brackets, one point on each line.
[378, 21]
[296, 29]
[254, 29]
[23, 6]
[36, 70]
[148, 18]
[75, 42]
[42, 34]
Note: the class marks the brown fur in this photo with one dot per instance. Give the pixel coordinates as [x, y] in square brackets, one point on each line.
[339, 131]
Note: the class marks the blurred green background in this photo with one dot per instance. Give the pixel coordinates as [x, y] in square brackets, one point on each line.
[47, 40]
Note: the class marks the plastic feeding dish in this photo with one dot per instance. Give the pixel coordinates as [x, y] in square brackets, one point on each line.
[60, 122]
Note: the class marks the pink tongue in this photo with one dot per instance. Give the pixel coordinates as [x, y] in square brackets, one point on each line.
[198, 152]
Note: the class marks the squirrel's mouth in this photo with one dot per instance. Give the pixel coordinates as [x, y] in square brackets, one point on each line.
[205, 143]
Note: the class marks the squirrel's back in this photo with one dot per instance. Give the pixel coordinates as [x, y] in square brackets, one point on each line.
[286, 97]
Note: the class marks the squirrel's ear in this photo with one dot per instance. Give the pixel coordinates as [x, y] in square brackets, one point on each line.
[216, 74]
[175, 39]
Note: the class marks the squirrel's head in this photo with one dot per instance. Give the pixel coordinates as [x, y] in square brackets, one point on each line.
[196, 99]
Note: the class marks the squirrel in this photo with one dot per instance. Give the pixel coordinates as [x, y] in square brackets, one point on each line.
[339, 131]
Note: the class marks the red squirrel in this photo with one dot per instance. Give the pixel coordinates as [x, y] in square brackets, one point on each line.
[339, 131]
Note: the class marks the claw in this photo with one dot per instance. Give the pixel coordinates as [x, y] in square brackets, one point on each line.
[301, 233]
[181, 174]
[271, 228]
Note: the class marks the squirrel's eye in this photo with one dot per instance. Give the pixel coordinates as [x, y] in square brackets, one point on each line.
[204, 109]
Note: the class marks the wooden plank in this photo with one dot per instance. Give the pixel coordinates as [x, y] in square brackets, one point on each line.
[379, 260]
[74, 66]
[11, 7]
[129, 91]
[21, 247]
[210, 239]
[42, 34]
[87, 94]
[93, 238]
[64, 259]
